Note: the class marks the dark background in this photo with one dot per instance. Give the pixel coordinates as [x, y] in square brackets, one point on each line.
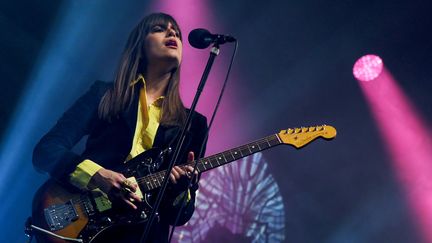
[295, 61]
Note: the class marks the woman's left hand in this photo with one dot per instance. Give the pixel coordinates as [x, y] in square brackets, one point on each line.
[180, 175]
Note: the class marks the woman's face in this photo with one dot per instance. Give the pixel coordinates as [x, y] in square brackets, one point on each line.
[163, 45]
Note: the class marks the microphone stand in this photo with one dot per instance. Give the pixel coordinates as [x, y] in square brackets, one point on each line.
[213, 54]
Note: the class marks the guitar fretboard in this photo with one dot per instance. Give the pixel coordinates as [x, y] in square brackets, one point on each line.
[155, 180]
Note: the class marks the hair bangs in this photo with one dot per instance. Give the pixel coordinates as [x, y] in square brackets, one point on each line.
[162, 20]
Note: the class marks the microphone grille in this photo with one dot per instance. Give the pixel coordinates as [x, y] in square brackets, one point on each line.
[198, 38]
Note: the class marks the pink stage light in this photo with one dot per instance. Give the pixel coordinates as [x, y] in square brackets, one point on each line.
[368, 68]
[407, 141]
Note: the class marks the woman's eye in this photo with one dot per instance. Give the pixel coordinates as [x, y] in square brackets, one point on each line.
[157, 29]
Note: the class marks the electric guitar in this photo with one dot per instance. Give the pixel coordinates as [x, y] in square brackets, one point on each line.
[62, 213]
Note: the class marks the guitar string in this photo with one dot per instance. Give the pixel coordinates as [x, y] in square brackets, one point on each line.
[159, 175]
[264, 141]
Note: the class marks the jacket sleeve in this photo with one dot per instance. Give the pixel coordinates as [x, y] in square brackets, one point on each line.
[169, 211]
[53, 153]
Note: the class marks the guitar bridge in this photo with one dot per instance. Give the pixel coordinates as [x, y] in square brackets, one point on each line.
[59, 216]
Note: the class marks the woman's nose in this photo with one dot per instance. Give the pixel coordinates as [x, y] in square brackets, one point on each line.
[172, 32]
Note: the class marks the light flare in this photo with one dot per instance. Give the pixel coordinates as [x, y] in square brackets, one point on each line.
[367, 68]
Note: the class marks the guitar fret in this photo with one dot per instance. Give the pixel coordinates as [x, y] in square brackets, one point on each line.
[221, 159]
[240, 152]
[268, 141]
[277, 137]
[223, 156]
[237, 154]
[259, 148]
[161, 177]
[152, 181]
[230, 153]
[210, 162]
[253, 147]
[204, 163]
[218, 162]
[156, 180]
[200, 167]
[214, 158]
[244, 151]
[274, 140]
[150, 184]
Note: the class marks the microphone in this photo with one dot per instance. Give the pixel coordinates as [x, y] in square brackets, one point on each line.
[202, 38]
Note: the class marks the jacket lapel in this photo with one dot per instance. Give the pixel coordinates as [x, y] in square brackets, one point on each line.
[130, 115]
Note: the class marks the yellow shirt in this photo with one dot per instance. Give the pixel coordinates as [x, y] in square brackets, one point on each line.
[148, 118]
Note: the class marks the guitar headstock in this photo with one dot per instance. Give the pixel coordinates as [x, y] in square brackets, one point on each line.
[299, 137]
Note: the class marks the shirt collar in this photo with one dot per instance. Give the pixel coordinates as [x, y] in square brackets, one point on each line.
[158, 101]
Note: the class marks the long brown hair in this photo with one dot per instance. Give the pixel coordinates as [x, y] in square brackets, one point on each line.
[119, 97]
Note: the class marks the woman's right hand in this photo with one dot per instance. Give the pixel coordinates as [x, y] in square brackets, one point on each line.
[116, 186]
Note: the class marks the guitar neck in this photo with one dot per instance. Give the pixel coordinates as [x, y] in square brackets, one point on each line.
[231, 155]
[155, 180]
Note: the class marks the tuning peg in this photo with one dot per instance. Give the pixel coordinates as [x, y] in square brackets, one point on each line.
[289, 131]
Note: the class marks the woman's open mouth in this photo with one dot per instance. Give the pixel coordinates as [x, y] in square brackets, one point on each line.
[171, 44]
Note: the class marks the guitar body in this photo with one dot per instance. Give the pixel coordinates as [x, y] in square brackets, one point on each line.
[66, 211]
[91, 217]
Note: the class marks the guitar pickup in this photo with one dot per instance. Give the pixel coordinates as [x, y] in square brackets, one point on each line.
[58, 216]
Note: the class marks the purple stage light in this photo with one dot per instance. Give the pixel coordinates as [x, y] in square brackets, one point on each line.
[368, 68]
